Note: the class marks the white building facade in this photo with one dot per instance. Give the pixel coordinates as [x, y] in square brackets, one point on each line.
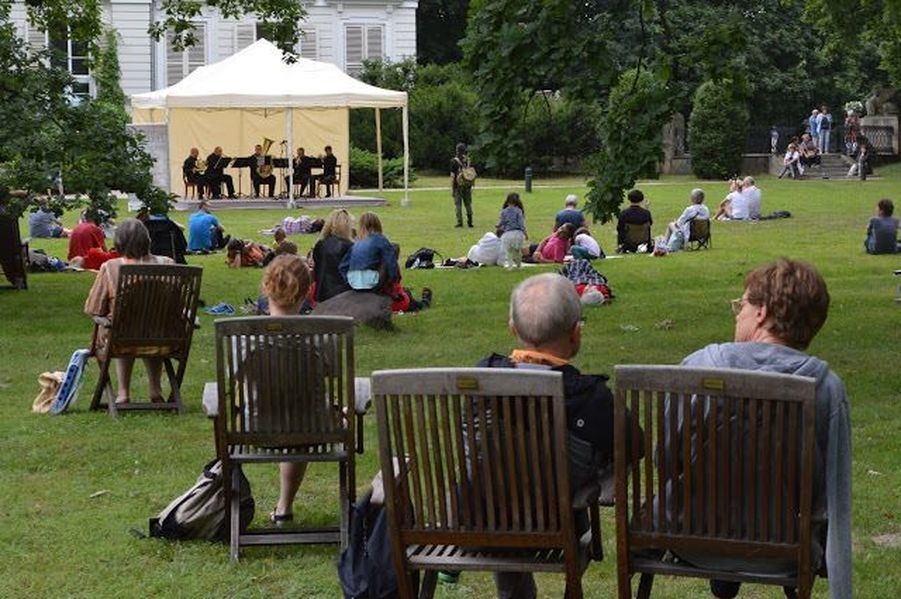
[343, 33]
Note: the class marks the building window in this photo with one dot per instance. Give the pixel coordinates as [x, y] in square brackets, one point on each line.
[362, 42]
[181, 63]
[72, 56]
[309, 47]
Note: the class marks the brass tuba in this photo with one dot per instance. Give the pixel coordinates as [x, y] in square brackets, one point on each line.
[265, 170]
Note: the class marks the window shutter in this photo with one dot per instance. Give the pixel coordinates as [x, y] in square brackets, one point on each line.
[374, 46]
[353, 48]
[36, 38]
[197, 53]
[309, 48]
[175, 62]
[245, 35]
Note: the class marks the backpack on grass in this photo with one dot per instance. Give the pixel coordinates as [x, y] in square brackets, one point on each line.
[200, 512]
[422, 258]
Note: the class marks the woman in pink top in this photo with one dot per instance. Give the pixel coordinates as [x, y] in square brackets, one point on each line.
[554, 248]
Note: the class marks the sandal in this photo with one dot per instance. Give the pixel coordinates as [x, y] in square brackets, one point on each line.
[278, 519]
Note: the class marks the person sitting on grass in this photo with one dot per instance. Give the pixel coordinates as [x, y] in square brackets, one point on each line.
[132, 241]
[43, 224]
[882, 230]
[791, 162]
[204, 231]
[635, 214]
[678, 232]
[278, 236]
[743, 201]
[85, 236]
[370, 264]
[784, 305]
[554, 247]
[585, 246]
[570, 213]
[335, 239]
[285, 283]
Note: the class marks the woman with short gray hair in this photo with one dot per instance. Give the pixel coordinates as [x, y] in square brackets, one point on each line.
[132, 241]
[678, 232]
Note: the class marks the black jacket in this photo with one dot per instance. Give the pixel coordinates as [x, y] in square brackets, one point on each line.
[327, 256]
[589, 405]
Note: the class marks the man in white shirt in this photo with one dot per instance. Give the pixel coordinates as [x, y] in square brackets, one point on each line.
[742, 203]
[679, 231]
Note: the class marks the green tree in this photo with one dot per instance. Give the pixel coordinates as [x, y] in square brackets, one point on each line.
[719, 118]
[440, 25]
[631, 132]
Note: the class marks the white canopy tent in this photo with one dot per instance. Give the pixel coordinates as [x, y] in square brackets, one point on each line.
[253, 94]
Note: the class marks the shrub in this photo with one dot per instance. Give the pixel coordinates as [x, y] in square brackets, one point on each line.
[364, 170]
[717, 130]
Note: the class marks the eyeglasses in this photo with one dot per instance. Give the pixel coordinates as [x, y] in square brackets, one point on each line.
[737, 304]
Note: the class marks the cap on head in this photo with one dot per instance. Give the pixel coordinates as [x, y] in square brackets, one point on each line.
[461, 147]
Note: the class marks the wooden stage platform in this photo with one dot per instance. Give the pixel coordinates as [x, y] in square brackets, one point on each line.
[350, 202]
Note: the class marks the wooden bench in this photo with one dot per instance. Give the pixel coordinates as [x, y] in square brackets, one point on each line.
[484, 482]
[727, 472]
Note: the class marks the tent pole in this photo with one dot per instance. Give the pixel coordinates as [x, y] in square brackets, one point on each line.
[406, 126]
[289, 126]
[378, 143]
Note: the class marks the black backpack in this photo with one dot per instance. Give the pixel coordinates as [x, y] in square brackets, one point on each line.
[422, 258]
[366, 566]
[199, 513]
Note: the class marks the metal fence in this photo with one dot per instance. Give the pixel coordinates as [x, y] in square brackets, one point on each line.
[760, 139]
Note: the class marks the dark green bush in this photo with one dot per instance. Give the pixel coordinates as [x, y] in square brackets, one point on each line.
[364, 170]
[717, 130]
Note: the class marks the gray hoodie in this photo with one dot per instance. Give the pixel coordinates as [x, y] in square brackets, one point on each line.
[832, 482]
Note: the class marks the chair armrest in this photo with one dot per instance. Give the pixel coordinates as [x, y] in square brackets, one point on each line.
[210, 400]
[102, 321]
[586, 496]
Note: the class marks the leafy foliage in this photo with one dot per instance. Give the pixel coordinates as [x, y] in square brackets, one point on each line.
[631, 131]
[719, 118]
[440, 25]
[107, 75]
[365, 170]
[515, 48]
[48, 140]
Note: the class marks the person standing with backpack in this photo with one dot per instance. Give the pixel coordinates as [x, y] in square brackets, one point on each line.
[462, 177]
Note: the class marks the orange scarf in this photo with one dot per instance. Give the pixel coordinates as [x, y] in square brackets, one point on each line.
[531, 356]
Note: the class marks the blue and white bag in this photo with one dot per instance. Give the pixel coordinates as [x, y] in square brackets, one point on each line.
[68, 390]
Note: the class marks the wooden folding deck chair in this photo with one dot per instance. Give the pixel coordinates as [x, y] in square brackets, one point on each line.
[699, 234]
[482, 480]
[635, 235]
[13, 252]
[154, 317]
[286, 394]
[730, 474]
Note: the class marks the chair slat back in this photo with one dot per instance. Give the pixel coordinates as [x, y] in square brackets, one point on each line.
[728, 460]
[156, 306]
[285, 381]
[477, 452]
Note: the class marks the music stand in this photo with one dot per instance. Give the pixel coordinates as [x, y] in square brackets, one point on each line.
[240, 163]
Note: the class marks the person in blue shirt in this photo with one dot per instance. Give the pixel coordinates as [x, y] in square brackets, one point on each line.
[370, 264]
[204, 231]
[570, 214]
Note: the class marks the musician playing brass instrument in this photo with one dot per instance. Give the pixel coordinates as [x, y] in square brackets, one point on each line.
[215, 163]
[194, 171]
[303, 164]
[261, 172]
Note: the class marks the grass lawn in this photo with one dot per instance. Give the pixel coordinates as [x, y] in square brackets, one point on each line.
[59, 539]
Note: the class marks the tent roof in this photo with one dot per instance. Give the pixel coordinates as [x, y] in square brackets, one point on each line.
[257, 77]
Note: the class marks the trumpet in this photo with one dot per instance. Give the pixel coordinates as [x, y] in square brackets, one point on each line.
[265, 170]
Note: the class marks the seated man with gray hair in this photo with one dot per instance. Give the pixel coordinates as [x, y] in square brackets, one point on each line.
[570, 213]
[678, 232]
[546, 319]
